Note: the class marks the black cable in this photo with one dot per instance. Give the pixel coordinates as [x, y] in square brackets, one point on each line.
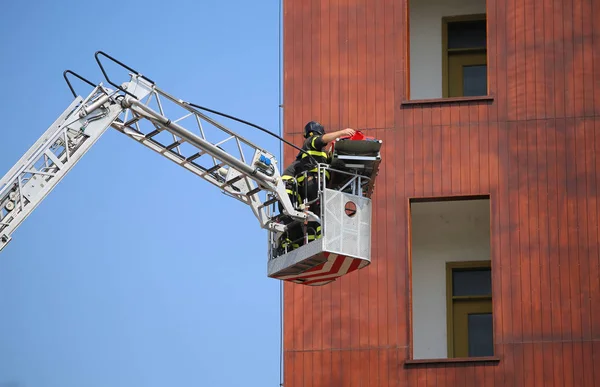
[254, 126]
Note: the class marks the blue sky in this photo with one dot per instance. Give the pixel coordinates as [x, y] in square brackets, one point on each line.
[154, 278]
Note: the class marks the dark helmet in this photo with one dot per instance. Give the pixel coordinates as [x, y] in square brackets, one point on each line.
[313, 127]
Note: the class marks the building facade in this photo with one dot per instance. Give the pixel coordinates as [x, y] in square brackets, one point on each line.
[485, 261]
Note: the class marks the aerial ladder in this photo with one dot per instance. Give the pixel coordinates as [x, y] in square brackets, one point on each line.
[181, 132]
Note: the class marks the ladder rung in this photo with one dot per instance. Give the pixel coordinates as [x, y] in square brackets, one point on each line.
[214, 168]
[235, 179]
[254, 191]
[153, 133]
[195, 156]
[175, 144]
[269, 202]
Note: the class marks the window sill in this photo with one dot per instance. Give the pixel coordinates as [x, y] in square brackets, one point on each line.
[483, 98]
[487, 359]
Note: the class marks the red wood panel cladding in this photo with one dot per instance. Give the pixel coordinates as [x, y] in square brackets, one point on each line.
[535, 148]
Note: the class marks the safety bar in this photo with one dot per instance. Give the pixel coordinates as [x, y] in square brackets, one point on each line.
[78, 76]
[122, 65]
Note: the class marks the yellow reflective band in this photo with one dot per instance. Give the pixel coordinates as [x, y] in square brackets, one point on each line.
[327, 176]
[292, 193]
[315, 153]
[301, 178]
[287, 242]
[313, 142]
[287, 177]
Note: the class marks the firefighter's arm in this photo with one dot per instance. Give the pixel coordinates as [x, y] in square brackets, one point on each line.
[328, 137]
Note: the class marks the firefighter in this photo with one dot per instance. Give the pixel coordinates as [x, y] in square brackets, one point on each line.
[316, 139]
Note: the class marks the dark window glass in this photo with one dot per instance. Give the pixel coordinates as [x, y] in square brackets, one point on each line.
[472, 282]
[474, 80]
[480, 335]
[467, 34]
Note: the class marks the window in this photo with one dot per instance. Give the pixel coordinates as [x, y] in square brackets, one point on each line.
[447, 49]
[464, 63]
[451, 278]
[469, 309]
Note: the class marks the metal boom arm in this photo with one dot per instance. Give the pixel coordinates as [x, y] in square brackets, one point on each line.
[155, 119]
[53, 155]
